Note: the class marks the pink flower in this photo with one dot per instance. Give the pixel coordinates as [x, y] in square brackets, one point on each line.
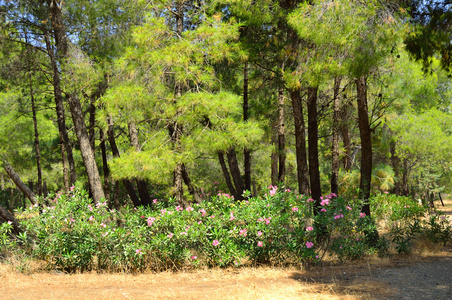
[9, 222]
[260, 244]
[215, 242]
[170, 235]
[143, 217]
[259, 233]
[309, 228]
[163, 211]
[155, 201]
[288, 190]
[203, 212]
[138, 251]
[325, 202]
[362, 215]
[189, 208]
[212, 216]
[183, 233]
[349, 208]
[91, 218]
[179, 208]
[323, 210]
[193, 257]
[310, 200]
[243, 232]
[151, 221]
[294, 208]
[103, 225]
[309, 244]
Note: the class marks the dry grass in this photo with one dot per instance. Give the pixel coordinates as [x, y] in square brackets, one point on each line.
[327, 281]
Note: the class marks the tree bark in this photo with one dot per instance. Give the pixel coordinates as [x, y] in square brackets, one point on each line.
[313, 136]
[5, 215]
[235, 173]
[127, 184]
[395, 161]
[19, 183]
[335, 143]
[92, 123]
[281, 138]
[36, 143]
[246, 151]
[300, 142]
[366, 143]
[191, 188]
[226, 175]
[106, 170]
[346, 138]
[86, 150]
[141, 184]
[365, 134]
[66, 149]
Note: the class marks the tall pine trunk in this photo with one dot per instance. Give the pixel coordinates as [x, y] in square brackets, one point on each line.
[246, 151]
[346, 137]
[141, 184]
[365, 134]
[300, 142]
[36, 142]
[366, 143]
[69, 175]
[226, 175]
[114, 149]
[235, 173]
[105, 168]
[281, 138]
[313, 136]
[335, 143]
[75, 106]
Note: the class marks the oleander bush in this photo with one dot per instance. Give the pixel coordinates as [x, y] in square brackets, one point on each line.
[73, 234]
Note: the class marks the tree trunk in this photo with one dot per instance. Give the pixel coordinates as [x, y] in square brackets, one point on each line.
[335, 143]
[66, 149]
[127, 184]
[274, 167]
[36, 143]
[405, 190]
[346, 138]
[365, 134]
[281, 138]
[5, 215]
[106, 170]
[85, 149]
[366, 143]
[235, 173]
[92, 123]
[300, 142]
[226, 175]
[246, 151]
[18, 182]
[191, 188]
[141, 184]
[314, 172]
[395, 161]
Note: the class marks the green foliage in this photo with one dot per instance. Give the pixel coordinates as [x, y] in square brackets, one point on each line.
[395, 209]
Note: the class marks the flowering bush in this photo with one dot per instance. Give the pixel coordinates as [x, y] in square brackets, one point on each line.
[392, 208]
[73, 234]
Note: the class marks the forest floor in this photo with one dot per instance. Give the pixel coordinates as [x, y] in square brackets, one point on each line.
[425, 274]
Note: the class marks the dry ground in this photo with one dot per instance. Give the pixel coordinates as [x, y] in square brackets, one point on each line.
[425, 274]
